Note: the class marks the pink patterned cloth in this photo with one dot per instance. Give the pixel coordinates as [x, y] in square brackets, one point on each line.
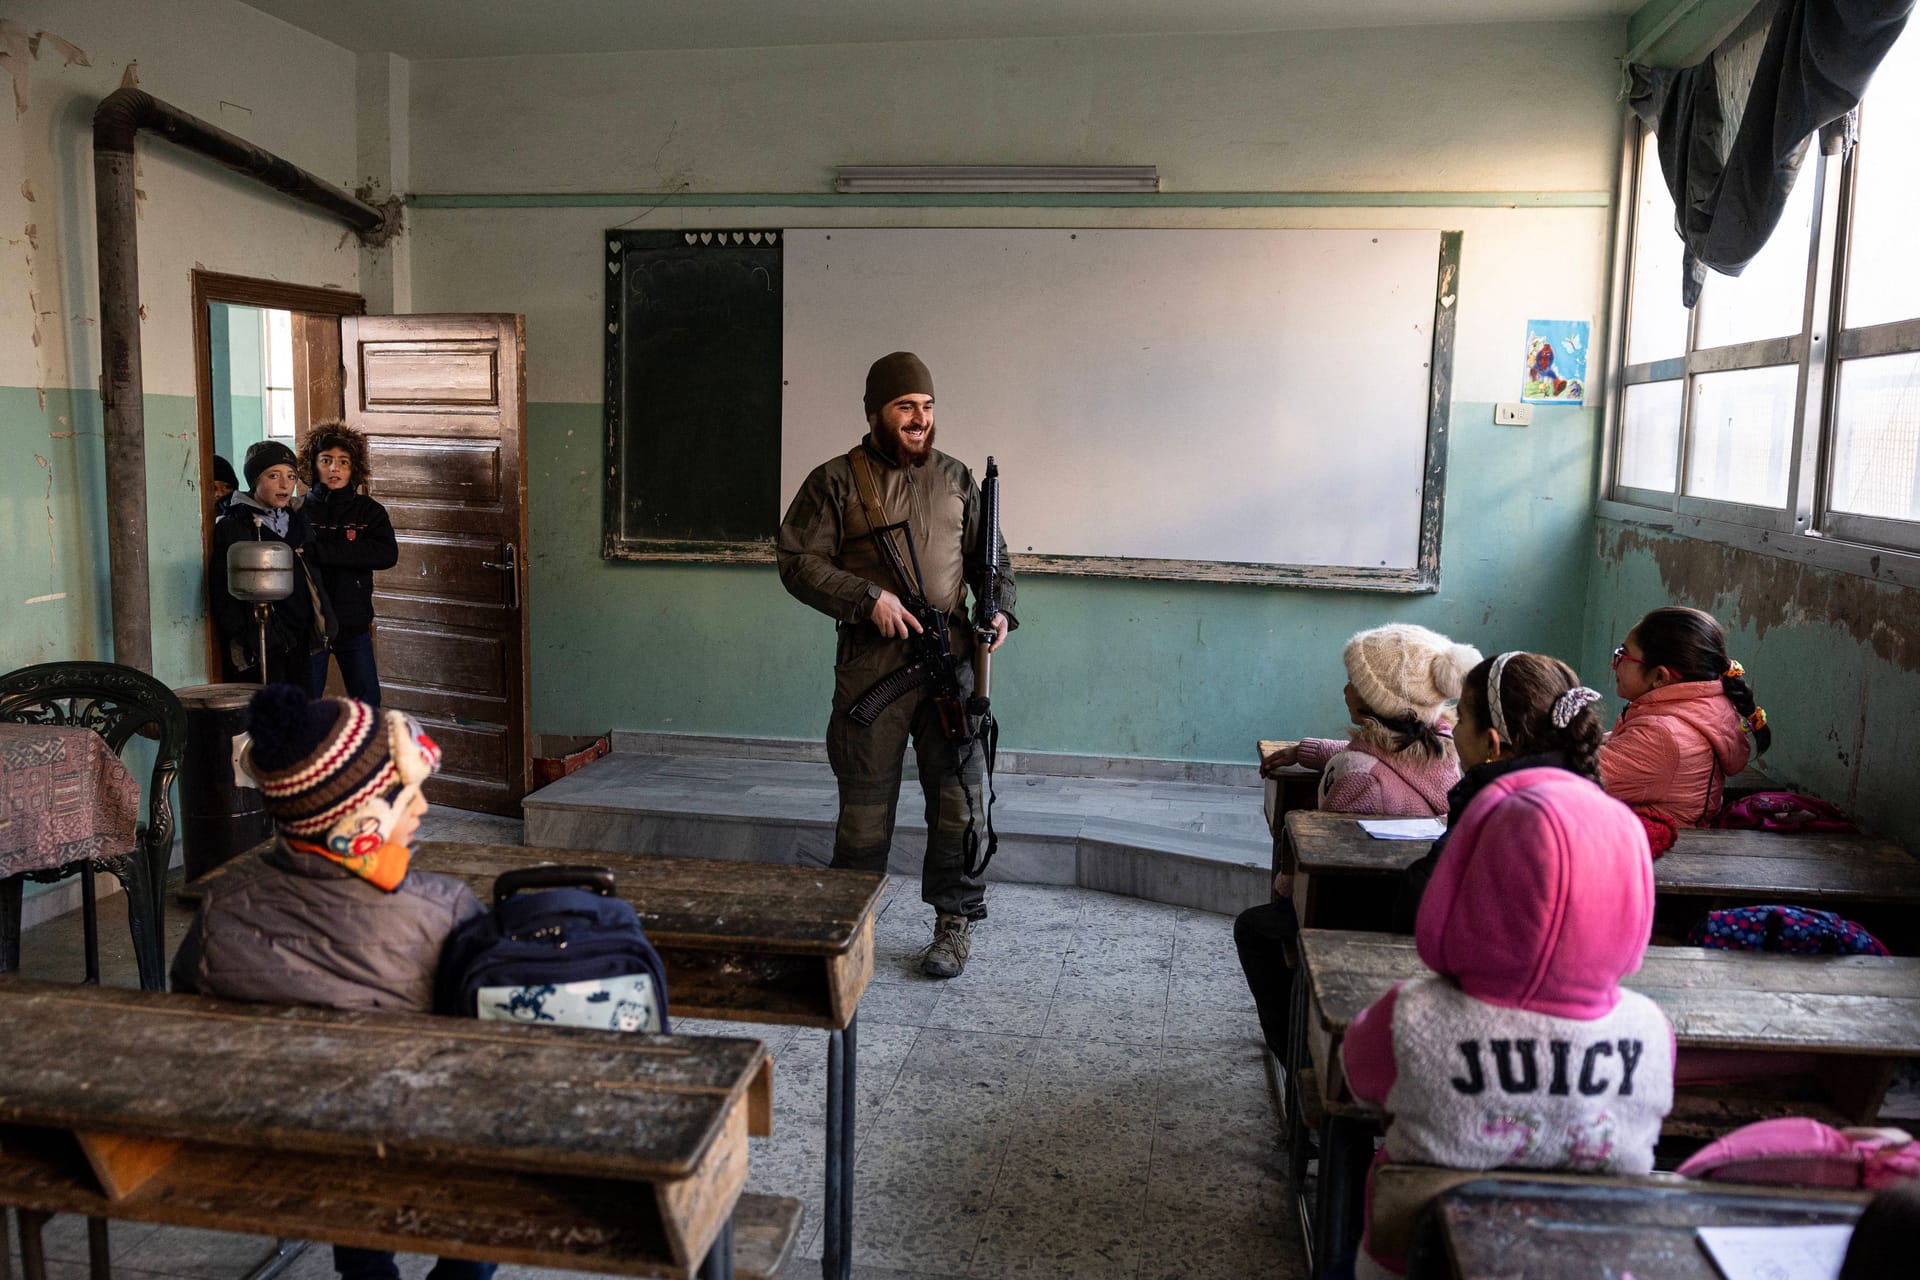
[64, 797]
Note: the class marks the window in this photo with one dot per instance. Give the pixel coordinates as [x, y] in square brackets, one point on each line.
[1788, 402]
[276, 349]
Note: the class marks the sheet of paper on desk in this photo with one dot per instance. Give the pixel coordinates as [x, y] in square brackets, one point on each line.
[1777, 1253]
[1403, 828]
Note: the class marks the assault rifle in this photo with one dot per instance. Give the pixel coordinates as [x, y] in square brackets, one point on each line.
[935, 663]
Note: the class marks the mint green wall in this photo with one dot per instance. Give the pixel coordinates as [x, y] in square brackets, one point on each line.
[239, 380]
[54, 592]
[1834, 658]
[1179, 670]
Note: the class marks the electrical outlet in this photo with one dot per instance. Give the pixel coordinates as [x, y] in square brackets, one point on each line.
[1513, 415]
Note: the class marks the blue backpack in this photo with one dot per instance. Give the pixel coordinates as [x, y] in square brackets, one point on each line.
[571, 955]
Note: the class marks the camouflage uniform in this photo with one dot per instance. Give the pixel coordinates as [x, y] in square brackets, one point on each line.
[829, 560]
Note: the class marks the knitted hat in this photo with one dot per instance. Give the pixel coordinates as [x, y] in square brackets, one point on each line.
[264, 454]
[1403, 671]
[896, 375]
[335, 772]
[223, 472]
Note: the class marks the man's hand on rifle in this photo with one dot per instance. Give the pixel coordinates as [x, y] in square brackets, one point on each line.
[999, 631]
[892, 618]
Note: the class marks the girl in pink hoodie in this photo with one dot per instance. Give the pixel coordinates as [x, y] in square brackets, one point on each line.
[1401, 759]
[1521, 1049]
[1688, 711]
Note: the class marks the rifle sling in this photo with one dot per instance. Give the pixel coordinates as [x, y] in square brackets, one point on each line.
[877, 521]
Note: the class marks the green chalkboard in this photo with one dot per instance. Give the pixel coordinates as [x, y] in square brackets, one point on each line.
[692, 393]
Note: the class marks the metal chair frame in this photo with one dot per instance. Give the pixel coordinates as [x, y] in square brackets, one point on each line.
[116, 702]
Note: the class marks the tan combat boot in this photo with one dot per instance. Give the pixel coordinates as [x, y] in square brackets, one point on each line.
[952, 943]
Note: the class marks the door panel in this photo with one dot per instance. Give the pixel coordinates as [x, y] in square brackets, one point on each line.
[443, 402]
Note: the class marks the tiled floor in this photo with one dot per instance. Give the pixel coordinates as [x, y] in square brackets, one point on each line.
[1086, 1101]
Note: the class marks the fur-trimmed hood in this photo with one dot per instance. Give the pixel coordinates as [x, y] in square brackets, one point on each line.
[333, 435]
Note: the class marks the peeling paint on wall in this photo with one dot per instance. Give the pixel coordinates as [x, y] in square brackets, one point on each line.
[1746, 589]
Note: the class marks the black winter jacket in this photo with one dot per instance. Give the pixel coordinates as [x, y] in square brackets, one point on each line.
[292, 625]
[352, 537]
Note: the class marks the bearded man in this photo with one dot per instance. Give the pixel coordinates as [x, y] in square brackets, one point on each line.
[831, 559]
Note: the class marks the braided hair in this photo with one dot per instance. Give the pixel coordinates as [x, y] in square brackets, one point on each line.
[1533, 687]
[1691, 644]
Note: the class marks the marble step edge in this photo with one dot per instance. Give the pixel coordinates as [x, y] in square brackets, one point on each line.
[1059, 764]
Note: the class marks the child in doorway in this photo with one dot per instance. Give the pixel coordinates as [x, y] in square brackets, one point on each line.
[1517, 711]
[330, 914]
[1688, 710]
[297, 627]
[352, 538]
[225, 485]
[1521, 1049]
[1400, 760]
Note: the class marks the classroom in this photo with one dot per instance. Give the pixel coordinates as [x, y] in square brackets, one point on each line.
[1281, 345]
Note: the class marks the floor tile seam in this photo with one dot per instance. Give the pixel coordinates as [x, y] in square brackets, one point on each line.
[864, 1132]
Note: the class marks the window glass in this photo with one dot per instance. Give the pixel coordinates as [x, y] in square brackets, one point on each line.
[1742, 435]
[1883, 273]
[1876, 444]
[1768, 299]
[1650, 435]
[1656, 322]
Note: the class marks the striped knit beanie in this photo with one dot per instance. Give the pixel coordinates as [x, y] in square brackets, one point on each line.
[331, 769]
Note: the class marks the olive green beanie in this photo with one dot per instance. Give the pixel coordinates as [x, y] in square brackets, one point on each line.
[896, 375]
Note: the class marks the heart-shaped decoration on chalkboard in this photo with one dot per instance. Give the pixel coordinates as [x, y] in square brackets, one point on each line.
[706, 237]
[753, 237]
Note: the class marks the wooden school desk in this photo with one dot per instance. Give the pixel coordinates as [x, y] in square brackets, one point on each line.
[743, 941]
[1494, 1228]
[1858, 1014]
[551, 1147]
[1340, 871]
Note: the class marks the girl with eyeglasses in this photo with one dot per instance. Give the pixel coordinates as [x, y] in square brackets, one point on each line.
[1689, 709]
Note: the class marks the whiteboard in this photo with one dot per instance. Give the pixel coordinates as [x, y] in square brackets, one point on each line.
[1247, 396]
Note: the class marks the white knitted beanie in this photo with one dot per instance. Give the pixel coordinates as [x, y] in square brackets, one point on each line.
[1404, 670]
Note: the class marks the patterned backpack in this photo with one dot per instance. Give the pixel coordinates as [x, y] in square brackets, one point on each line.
[1792, 929]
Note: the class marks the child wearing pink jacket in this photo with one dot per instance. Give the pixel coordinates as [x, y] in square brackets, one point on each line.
[1689, 709]
[1521, 1049]
[1401, 758]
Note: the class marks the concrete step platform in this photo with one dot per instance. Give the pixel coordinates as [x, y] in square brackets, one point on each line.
[1140, 828]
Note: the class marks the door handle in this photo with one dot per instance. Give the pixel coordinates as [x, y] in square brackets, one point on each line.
[513, 579]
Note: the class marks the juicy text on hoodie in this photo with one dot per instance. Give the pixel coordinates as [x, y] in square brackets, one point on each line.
[1672, 750]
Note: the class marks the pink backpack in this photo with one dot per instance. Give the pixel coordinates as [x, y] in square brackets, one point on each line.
[1784, 811]
[1797, 1152]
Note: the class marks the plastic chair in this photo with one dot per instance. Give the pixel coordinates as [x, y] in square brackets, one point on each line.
[116, 702]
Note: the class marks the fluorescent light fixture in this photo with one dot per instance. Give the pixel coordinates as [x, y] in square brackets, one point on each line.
[856, 179]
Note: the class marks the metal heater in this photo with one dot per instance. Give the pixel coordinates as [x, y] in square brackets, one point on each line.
[260, 573]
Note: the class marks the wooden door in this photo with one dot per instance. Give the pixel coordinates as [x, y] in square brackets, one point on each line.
[443, 400]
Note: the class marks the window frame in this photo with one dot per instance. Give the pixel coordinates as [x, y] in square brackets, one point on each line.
[1806, 528]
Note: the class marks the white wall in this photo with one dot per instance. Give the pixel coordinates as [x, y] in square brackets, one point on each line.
[233, 67]
[1495, 107]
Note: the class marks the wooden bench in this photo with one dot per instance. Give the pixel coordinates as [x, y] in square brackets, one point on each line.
[741, 941]
[552, 1147]
[1293, 787]
[1489, 1226]
[1339, 870]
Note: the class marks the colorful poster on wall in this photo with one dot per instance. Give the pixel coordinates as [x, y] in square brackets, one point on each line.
[1556, 362]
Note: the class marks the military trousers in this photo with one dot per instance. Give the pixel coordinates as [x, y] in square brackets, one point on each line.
[868, 763]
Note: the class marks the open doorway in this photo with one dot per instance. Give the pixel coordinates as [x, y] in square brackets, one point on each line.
[267, 357]
[441, 400]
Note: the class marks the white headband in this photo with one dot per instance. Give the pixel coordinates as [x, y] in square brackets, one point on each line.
[1494, 712]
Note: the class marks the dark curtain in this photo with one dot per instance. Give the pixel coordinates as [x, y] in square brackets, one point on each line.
[1732, 131]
